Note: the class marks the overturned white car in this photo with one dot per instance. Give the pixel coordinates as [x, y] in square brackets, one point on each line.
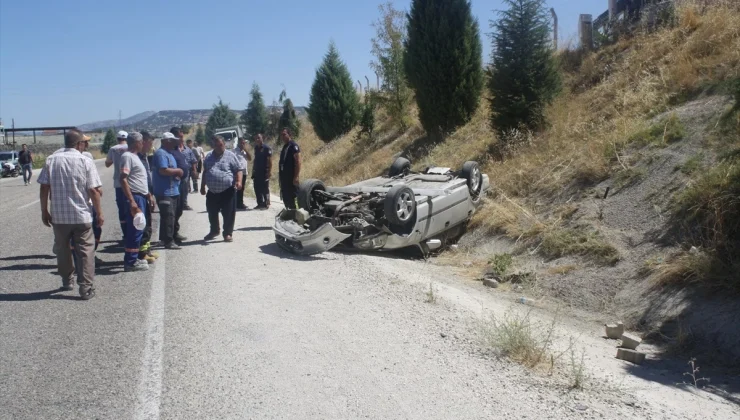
[400, 210]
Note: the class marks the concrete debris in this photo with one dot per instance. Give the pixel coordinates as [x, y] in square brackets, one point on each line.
[632, 356]
[630, 341]
[614, 331]
[492, 283]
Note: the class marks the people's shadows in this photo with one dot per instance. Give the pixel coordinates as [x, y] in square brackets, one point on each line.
[115, 248]
[29, 297]
[274, 250]
[28, 257]
[27, 267]
[254, 228]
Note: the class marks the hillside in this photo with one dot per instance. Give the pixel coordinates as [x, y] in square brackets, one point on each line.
[626, 206]
[159, 121]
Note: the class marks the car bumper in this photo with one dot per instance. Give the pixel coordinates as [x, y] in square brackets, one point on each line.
[293, 238]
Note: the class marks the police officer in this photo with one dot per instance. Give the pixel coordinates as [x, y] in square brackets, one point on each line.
[290, 170]
[261, 172]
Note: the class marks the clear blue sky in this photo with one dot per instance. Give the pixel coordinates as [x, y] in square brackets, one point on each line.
[76, 61]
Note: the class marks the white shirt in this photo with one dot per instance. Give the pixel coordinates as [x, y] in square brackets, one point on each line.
[70, 176]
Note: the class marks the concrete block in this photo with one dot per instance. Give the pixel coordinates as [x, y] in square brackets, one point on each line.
[614, 331]
[630, 341]
[492, 283]
[632, 356]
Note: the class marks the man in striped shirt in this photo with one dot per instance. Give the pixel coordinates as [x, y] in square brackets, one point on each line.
[69, 180]
[135, 186]
[222, 175]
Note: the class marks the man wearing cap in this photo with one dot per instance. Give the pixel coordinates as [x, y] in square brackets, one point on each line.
[135, 188]
[69, 180]
[244, 157]
[166, 178]
[114, 159]
[222, 175]
[145, 252]
[261, 172]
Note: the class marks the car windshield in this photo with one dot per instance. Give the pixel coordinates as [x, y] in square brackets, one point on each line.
[6, 156]
[228, 135]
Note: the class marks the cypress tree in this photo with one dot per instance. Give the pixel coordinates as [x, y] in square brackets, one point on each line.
[289, 120]
[254, 118]
[109, 140]
[333, 104]
[200, 135]
[524, 77]
[222, 116]
[443, 63]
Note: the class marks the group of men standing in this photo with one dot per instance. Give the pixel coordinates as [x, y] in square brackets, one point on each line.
[143, 181]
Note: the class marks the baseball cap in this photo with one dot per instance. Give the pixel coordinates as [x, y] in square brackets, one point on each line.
[85, 137]
[168, 136]
[122, 135]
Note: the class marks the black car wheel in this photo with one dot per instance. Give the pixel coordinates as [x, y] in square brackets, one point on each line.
[400, 206]
[472, 174]
[305, 194]
[400, 166]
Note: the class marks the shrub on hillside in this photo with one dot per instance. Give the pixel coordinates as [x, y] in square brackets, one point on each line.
[333, 105]
[289, 120]
[443, 63]
[524, 76]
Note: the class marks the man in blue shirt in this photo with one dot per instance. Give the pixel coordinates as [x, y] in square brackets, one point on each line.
[186, 161]
[166, 177]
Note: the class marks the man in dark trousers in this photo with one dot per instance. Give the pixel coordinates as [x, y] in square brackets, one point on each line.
[166, 179]
[290, 170]
[26, 161]
[222, 175]
[261, 172]
[244, 157]
[188, 163]
[114, 159]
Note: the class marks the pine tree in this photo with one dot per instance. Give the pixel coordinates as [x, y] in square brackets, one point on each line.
[443, 63]
[200, 135]
[254, 118]
[289, 120]
[524, 77]
[395, 95]
[333, 104]
[109, 140]
[222, 116]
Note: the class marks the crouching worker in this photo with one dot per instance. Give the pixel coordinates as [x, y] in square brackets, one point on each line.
[135, 186]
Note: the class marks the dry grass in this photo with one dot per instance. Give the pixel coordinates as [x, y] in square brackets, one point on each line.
[560, 242]
[561, 270]
[519, 338]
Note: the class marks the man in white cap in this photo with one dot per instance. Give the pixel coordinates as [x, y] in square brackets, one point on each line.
[166, 178]
[114, 158]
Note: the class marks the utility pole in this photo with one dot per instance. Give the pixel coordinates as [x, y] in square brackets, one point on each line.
[12, 122]
[554, 28]
[119, 118]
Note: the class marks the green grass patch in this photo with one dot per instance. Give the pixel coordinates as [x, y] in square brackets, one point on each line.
[692, 164]
[500, 264]
[669, 130]
[561, 242]
[628, 177]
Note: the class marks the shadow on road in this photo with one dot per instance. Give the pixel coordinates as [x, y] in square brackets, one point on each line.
[26, 267]
[28, 257]
[254, 228]
[274, 250]
[29, 297]
[115, 248]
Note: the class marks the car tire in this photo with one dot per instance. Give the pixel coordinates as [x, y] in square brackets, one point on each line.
[400, 166]
[305, 192]
[473, 176]
[400, 206]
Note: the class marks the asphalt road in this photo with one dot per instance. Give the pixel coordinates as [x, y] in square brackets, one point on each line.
[244, 330]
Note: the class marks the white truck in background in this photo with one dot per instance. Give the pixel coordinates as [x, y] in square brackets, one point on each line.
[230, 135]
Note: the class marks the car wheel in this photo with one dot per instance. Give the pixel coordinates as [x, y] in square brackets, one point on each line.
[305, 194]
[472, 174]
[401, 166]
[400, 205]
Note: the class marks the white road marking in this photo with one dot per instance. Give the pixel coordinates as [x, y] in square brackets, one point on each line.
[150, 387]
[28, 205]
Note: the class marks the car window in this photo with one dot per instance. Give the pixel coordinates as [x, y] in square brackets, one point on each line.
[7, 156]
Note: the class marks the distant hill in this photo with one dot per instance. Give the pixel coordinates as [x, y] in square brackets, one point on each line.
[159, 121]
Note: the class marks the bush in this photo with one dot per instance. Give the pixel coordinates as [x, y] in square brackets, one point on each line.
[333, 105]
[443, 63]
[109, 140]
[667, 131]
[561, 242]
[367, 119]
